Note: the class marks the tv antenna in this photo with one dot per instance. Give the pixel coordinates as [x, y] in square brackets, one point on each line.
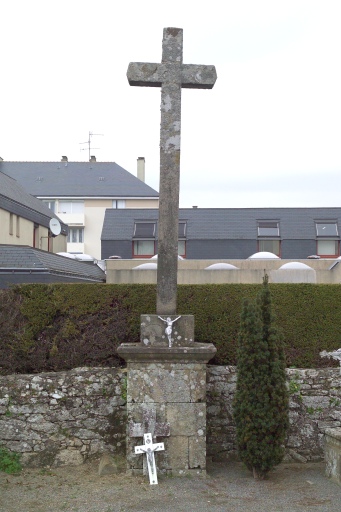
[88, 142]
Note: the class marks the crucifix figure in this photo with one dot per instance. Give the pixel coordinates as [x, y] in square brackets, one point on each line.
[169, 328]
[149, 448]
[171, 75]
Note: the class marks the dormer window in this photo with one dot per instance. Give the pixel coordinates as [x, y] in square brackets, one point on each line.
[268, 228]
[327, 239]
[268, 236]
[144, 239]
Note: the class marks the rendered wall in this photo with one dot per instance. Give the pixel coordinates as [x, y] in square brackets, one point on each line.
[248, 271]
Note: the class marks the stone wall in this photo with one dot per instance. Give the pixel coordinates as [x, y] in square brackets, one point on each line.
[315, 404]
[67, 417]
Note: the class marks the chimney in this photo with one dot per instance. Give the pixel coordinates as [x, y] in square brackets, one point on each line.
[64, 159]
[92, 159]
[141, 163]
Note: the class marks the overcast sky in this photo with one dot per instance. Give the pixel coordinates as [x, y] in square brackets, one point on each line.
[267, 134]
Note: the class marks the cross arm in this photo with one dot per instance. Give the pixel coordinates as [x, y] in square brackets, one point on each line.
[144, 74]
[198, 76]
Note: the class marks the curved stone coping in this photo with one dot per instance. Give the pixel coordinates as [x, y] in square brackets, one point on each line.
[196, 353]
[334, 432]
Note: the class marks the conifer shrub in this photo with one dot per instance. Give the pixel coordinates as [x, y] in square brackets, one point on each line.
[261, 400]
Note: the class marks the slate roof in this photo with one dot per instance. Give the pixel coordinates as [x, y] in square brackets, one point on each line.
[77, 179]
[225, 223]
[22, 257]
[15, 199]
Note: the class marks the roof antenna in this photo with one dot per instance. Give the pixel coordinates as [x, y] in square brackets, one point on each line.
[88, 142]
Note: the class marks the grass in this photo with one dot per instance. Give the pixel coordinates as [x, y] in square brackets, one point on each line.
[9, 461]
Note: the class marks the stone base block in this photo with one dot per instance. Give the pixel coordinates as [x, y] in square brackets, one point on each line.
[333, 454]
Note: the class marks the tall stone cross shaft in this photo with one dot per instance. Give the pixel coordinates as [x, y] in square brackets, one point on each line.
[171, 75]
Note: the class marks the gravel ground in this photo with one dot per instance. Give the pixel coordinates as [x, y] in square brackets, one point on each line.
[228, 487]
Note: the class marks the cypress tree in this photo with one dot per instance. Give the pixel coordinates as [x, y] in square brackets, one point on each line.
[261, 400]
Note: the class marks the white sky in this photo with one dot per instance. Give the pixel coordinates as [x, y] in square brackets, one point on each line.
[267, 134]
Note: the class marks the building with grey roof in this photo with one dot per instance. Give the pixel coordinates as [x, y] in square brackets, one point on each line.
[24, 264]
[79, 193]
[227, 233]
[25, 220]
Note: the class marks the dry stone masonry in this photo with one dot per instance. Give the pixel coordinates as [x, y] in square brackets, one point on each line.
[63, 418]
[67, 417]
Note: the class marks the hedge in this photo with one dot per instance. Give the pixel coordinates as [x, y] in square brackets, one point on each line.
[63, 326]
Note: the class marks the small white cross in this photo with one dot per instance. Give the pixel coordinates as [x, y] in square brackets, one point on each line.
[149, 448]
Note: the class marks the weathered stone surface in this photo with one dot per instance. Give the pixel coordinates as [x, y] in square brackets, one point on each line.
[82, 410]
[68, 458]
[171, 75]
[187, 418]
[152, 332]
[107, 465]
[333, 454]
[197, 452]
[312, 409]
[94, 431]
[178, 453]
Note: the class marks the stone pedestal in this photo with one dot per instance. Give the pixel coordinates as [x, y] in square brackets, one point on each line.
[170, 384]
[333, 453]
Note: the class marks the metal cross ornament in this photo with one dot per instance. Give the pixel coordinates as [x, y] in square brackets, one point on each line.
[149, 448]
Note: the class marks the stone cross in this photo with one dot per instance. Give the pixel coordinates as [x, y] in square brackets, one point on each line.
[171, 75]
[149, 448]
[149, 425]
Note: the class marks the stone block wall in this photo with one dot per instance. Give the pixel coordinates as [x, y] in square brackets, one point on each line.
[67, 417]
[315, 404]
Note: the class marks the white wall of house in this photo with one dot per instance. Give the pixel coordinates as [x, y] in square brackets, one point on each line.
[16, 230]
[85, 220]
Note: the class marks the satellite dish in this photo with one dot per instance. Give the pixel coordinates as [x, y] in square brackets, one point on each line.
[55, 227]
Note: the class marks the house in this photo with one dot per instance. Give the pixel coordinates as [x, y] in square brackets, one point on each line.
[227, 233]
[25, 220]
[24, 264]
[80, 192]
[228, 245]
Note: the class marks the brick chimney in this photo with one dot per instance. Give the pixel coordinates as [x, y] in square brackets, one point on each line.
[141, 164]
[92, 159]
[64, 159]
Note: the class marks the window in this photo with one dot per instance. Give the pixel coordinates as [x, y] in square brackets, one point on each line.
[182, 248]
[76, 235]
[182, 229]
[268, 228]
[71, 207]
[118, 203]
[50, 204]
[326, 229]
[273, 246]
[327, 243]
[11, 223]
[328, 248]
[142, 248]
[18, 226]
[144, 239]
[144, 229]
[268, 236]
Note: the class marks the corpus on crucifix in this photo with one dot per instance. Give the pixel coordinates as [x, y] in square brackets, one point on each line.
[171, 75]
[149, 448]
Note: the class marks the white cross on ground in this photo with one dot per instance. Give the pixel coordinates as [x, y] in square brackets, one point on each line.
[149, 448]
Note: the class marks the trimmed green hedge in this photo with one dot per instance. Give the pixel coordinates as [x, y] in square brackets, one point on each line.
[62, 326]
